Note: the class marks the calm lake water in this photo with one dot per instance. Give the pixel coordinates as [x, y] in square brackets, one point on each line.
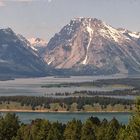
[32, 86]
[65, 117]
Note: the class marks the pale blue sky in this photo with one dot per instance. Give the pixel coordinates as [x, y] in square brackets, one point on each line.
[43, 18]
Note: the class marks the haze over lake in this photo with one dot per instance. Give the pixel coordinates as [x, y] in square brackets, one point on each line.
[32, 86]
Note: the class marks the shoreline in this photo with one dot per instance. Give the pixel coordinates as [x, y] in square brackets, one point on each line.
[47, 111]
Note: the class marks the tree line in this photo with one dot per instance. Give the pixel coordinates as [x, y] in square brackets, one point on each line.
[90, 93]
[91, 129]
[34, 101]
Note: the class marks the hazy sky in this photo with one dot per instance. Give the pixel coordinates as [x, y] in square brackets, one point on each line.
[43, 18]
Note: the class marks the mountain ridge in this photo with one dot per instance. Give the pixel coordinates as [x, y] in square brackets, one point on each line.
[17, 58]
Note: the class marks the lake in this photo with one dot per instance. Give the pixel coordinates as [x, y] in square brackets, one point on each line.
[26, 117]
[32, 86]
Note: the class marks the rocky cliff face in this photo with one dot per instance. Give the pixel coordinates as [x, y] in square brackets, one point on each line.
[91, 46]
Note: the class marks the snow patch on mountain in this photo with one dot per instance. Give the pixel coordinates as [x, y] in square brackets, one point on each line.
[134, 34]
[129, 33]
[110, 32]
[90, 32]
[3, 61]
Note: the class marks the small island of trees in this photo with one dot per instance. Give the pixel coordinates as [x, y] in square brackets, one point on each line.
[70, 104]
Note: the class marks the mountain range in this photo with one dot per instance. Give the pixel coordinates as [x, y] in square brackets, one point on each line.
[85, 46]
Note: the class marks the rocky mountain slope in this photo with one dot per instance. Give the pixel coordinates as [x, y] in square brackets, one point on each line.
[16, 56]
[90, 46]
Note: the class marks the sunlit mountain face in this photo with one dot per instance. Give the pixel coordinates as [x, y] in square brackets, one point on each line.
[89, 45]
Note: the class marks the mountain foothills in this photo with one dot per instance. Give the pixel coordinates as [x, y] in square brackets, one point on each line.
[85, 46]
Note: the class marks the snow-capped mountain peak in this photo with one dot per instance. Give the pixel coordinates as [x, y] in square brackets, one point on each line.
[89, 43]
[97, 27]
[37, 42]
